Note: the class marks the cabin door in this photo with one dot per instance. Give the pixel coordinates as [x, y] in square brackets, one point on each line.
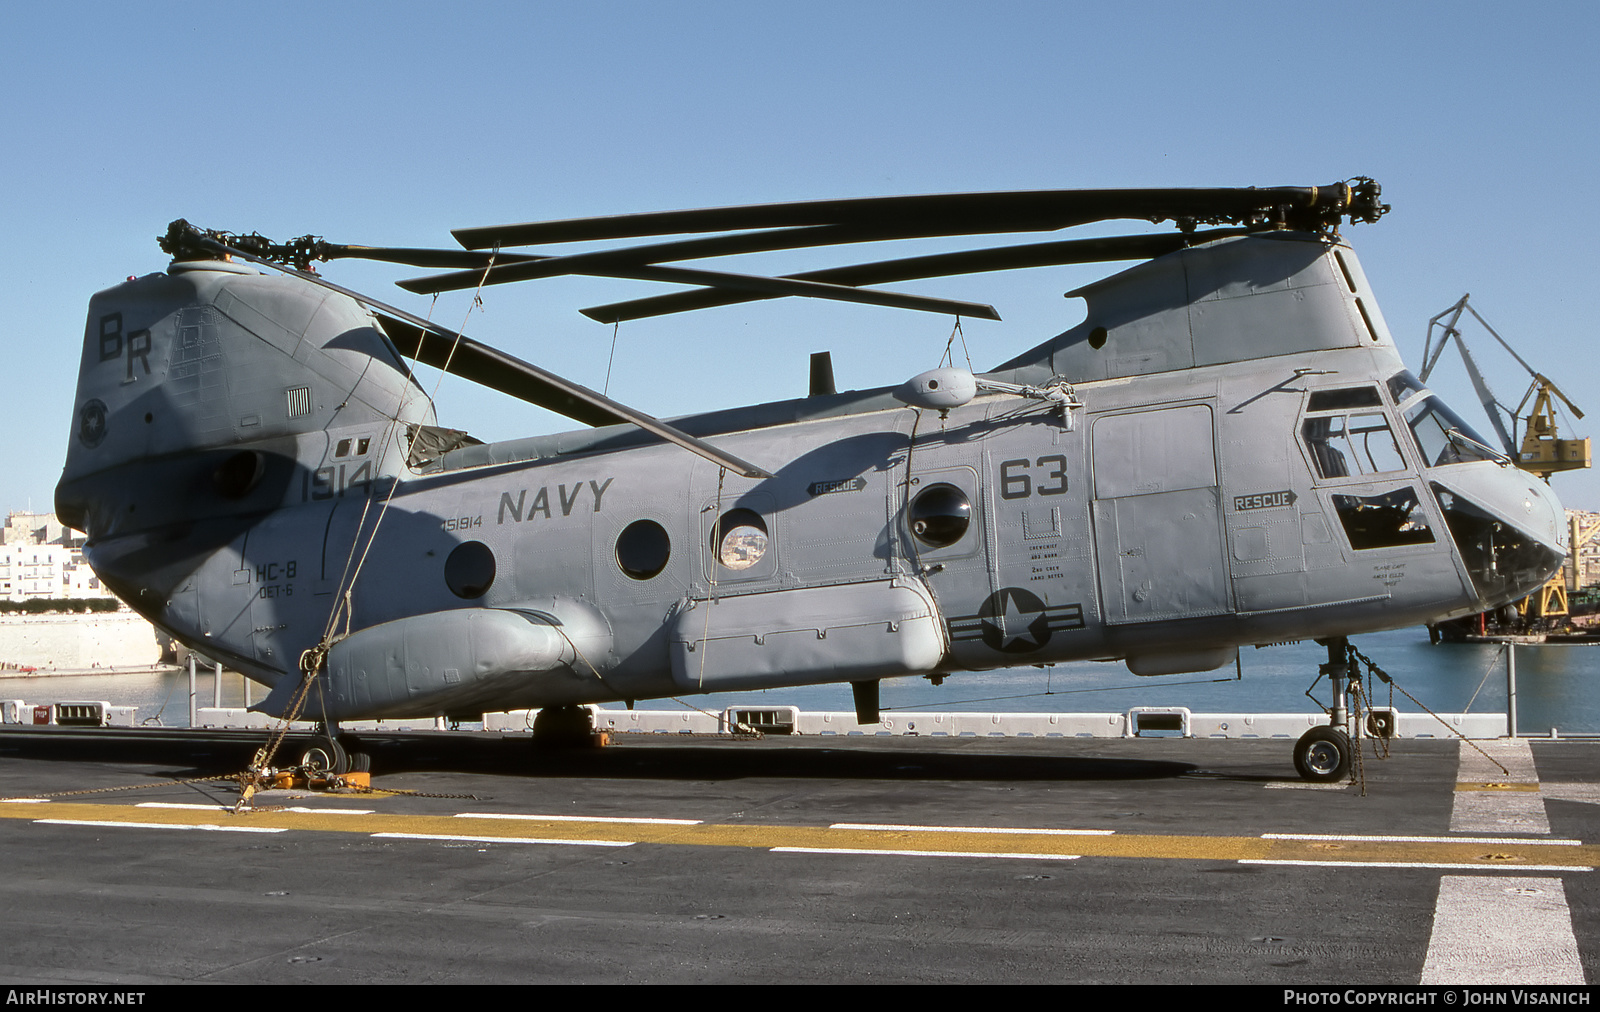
[1157, 515]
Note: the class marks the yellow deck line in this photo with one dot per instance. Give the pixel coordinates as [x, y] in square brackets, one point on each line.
[1498, 854]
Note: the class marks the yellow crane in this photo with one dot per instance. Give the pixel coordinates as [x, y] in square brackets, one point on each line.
[1542, 451]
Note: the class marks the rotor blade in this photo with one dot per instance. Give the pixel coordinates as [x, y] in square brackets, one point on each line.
[1047, 254]
[413, 257]
[479, 363]
[493, 368]
[766, 287]
[808, 237]
[1073, 206]
[562, 395]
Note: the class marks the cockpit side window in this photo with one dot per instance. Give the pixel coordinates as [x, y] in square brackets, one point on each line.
[1383, 521]
[1349, 444]
[1498, 555]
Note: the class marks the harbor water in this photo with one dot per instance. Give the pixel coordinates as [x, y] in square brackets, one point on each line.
[1558, 686]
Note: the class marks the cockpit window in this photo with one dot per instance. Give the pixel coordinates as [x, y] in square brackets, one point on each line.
[1443, 437]
[1383, 521]
[1341, 400]
[1403, 385]
[1352, 445]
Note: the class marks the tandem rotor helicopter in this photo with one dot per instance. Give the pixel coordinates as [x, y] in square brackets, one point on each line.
[1228, 450]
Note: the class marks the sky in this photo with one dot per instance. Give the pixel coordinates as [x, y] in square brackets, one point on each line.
[391, 123]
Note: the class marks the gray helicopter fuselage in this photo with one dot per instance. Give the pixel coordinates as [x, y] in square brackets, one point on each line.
[1235, 455]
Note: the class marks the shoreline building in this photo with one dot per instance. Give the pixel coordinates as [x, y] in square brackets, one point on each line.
[1583, 564]
[40, 558]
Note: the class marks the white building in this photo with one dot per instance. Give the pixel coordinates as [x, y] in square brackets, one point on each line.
[37, 529]
[41, 558]
[1583, 565]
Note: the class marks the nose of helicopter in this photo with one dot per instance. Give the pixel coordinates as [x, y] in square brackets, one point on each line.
[1509, 526]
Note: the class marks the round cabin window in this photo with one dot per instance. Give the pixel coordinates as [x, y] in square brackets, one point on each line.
[940, 515]
[739, 539]
[469, 570]
[643, 548]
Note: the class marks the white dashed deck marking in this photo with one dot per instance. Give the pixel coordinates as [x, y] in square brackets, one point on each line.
[1494, 930]
[1498, 811]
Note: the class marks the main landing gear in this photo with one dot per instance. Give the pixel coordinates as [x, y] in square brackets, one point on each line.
[564, 727]
[325, 754]
[1323, 754]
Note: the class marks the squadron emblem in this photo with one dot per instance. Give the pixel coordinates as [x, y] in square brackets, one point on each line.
[92, 424]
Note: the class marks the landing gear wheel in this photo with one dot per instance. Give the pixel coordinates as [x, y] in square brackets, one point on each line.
[1322, 755]
[325, 755]
[563, 726]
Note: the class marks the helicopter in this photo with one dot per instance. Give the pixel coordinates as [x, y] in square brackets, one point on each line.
[1227, 451]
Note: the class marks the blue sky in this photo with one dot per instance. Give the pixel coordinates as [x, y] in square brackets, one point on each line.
[389, 124]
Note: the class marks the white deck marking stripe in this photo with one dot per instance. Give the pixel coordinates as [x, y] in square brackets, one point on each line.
[1497, 811]
[1479, 762]
[1440, 865]
[920, 853]
[501, 839]
[1491, 812]
[972, 829]
[1502, 931]
[578, 818]
[156, 825]
[1425, 839]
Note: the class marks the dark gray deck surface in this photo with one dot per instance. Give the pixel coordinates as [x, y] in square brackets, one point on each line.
[123, 904]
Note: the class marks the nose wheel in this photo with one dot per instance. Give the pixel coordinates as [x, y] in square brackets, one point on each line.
[1322, 755]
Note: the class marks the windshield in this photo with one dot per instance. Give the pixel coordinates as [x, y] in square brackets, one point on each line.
[1443, 437]
[1403, 384]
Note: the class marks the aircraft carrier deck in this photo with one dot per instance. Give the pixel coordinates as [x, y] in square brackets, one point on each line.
[800, 860]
